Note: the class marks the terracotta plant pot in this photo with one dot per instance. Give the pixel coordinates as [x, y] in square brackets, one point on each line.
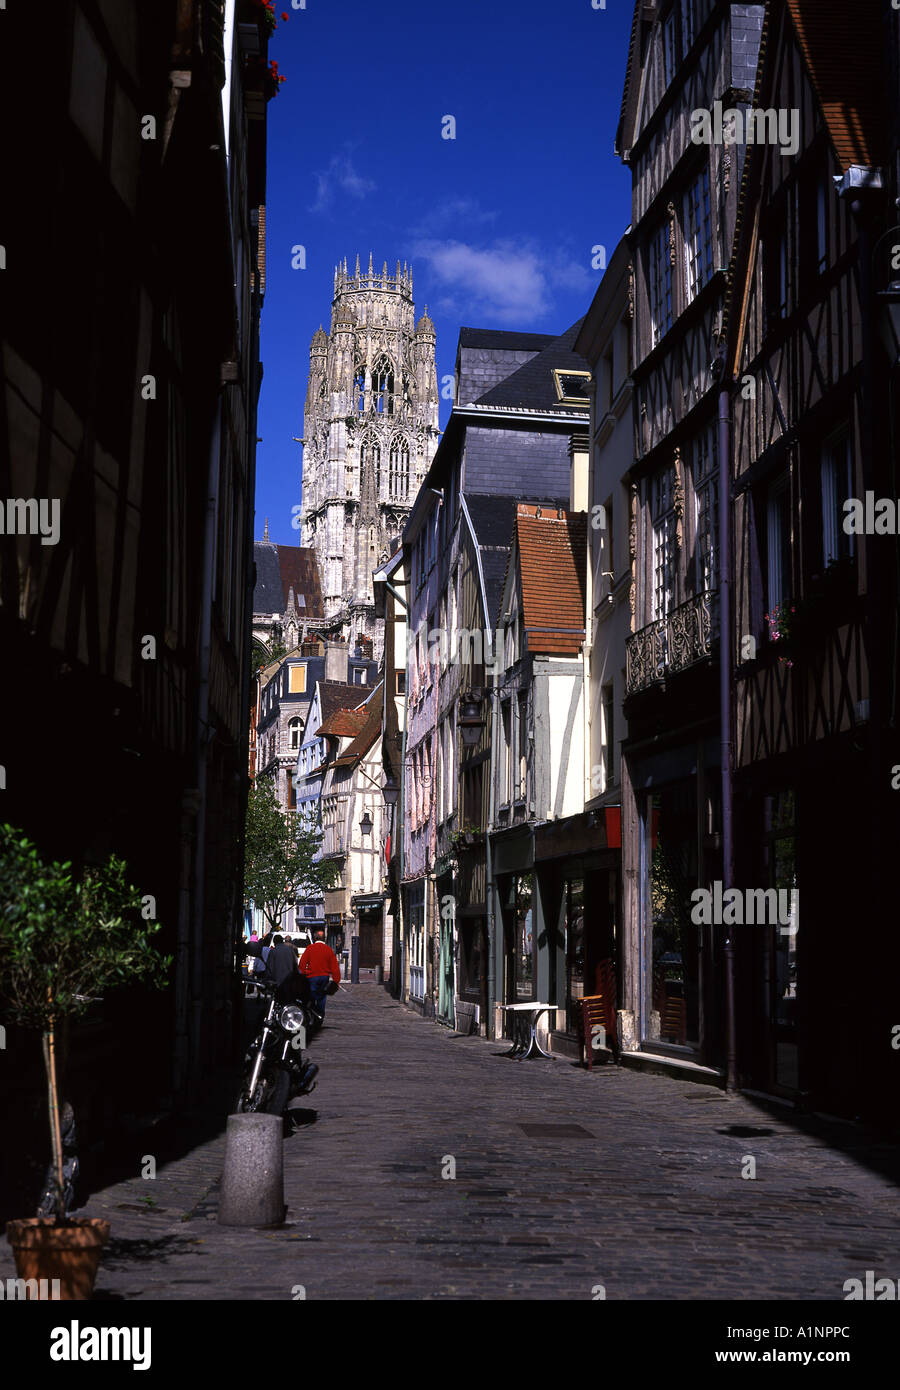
[69, 1252]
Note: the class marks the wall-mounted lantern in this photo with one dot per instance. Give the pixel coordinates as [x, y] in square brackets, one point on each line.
[469, 718]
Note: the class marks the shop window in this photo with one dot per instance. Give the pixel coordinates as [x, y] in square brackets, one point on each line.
[574, 945]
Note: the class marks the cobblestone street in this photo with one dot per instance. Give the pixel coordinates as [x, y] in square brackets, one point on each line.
[565, 1180]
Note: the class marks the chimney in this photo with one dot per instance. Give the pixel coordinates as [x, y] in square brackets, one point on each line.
[336, 664]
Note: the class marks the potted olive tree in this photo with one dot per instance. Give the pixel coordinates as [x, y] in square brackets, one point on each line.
[65, 938]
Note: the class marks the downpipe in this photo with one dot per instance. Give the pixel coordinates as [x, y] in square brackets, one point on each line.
[726, 647]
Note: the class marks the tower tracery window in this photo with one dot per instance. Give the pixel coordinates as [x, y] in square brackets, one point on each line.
[383, 386]
[398, 477]
[359, 386]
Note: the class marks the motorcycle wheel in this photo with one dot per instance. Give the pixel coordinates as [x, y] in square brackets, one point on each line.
[245, 1104]
[279, 1094]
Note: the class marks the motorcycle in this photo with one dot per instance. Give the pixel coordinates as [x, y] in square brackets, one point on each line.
[275, 1070]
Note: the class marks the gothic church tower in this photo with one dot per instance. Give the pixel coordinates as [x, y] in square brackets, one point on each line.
[370, 432]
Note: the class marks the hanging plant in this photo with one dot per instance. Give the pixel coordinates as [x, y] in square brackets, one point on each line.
[265, 14]
[781, 624]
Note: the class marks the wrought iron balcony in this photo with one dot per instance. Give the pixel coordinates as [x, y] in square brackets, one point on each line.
[671, 644]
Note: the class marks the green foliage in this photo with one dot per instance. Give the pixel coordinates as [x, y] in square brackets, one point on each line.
[66, 936]
[279, 857]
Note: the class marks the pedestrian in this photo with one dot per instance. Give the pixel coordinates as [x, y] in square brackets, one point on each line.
[320, 965]
[281, 969]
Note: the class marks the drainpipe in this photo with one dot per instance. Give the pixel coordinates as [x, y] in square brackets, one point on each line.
[489, 871]
[199, 964]
[727, 752]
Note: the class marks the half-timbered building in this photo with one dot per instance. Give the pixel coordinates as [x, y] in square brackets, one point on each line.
[689, 79]
[132, 287]
[814, 639]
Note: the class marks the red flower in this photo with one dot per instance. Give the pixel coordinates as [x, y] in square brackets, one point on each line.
[285, 16]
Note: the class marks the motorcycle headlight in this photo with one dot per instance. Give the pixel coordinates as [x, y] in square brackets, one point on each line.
[291, 1018]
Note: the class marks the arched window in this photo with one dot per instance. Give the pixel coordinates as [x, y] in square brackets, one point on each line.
[359, 386]
[399, 471]
[294, 733]
[383, 386]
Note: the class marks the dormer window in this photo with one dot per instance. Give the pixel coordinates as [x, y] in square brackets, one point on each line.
[572, 388]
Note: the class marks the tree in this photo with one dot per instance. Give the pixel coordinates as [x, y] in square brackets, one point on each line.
[65, 938]
[279, 856]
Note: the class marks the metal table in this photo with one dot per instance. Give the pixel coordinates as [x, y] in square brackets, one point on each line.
[525, 1020]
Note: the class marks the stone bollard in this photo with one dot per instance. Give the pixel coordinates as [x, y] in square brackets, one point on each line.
[253, 1180]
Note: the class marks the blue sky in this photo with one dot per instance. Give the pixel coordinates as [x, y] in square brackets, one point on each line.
[499, 224]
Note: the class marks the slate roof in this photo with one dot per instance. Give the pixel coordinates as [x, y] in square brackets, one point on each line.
[844, 48]
[504, 339]
[552, 551]
[492, 519]
[532, 385]
[280, 568]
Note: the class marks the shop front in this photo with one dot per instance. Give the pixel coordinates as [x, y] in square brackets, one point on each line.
[676, 950]
[579, 902]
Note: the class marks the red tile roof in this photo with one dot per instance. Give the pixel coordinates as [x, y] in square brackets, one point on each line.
[344, 723]
[552, 550]
[367, 735]
[844, 48]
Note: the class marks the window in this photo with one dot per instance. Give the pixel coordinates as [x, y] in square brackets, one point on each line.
[297, 680]
[400, 682]
[670, 48]
[705, 483]
[359, 386]
[660, 283]
[607, 379]
[687, 25]
[505, 754]
[821, 225]
[292, 793]
[609, 774]
[780, 249]
[837, 486]
[383, 386]
[697, 236]
[522, 728]
[398, 478]
[662, 513]
[294, 733]
[778, 538]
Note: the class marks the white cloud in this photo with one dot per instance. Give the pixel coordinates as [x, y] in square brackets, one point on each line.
[508, 282]
[453, 215]
[340, 176]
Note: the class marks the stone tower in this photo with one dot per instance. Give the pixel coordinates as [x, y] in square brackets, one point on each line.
[370, 432]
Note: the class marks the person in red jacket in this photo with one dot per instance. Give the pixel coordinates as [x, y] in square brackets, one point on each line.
[320, 965]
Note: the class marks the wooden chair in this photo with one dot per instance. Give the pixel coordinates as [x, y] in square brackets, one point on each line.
[600, 1010]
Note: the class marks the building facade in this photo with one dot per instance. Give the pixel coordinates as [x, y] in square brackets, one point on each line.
[689, 57]
[130, 378]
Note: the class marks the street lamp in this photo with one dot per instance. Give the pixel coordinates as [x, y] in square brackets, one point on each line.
[469, 719]
[887, 296]
[366, 823]
[391, 790]
[888, 301]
